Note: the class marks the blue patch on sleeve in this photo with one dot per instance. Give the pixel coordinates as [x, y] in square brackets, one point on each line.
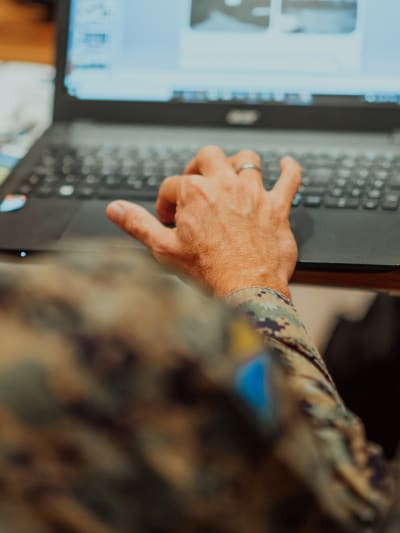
[252, 384]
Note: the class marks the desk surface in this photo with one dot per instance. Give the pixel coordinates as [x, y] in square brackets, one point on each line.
[24, 33]
[25, 36]
[380, 281]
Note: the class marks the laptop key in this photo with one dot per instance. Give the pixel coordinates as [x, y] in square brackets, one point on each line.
[34, 179]
[359, 182]
[45, 192]
[113, 183]
[66, 191]
[153, 181]
[321, 175]
[394, 183]
[341, 203]
[340, 182]
[24, 189]
[337, 192]
[362, 173]
[86, 193]
[349, 163]
[390, 202]
[42, 171]
[91, 180]
[356, 192]
[344, 174]
[153, 178]
[312, 201]
[71, 178]
[370, 204]
[351, 203]
[381, 174]
[313, 191]
[374, 194]
[50, 180]
[378, 184]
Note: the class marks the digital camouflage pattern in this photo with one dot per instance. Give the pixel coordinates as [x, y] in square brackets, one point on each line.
[119, 410]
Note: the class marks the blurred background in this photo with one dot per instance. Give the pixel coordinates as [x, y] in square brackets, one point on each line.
[26, 30]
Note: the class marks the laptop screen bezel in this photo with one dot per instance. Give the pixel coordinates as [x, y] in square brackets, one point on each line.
[270, 116]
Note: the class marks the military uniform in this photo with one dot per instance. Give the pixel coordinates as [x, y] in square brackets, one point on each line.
[133, 403]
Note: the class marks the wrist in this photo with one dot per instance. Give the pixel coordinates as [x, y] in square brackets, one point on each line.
[225, 285]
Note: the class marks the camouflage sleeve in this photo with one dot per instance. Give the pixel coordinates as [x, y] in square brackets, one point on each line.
[361, 477]
[129, 402]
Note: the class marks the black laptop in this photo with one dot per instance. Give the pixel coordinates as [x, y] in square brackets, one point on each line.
[142, 85]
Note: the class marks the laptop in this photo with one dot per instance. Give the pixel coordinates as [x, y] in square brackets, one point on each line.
[141, 86]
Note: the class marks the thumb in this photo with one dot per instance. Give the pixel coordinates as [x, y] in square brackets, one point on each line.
[143, 226]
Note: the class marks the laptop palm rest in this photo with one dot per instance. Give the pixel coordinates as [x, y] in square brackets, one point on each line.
[90, 220]
[38, 225]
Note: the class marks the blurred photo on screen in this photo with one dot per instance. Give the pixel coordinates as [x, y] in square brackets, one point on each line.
[319, 16]
[230, 15]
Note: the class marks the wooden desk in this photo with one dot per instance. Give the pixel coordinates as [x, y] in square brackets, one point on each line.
[380, 281]
[24, 34]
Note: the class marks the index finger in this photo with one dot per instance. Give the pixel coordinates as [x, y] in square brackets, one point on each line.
[288, 183]
[211, 161]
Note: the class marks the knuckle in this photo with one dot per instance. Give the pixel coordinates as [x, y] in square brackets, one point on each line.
[209, 150]
[194, 186]
[159, 248]
[192, 182]
[250, 155]
[168, 180]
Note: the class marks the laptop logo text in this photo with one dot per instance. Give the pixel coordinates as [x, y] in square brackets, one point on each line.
[242, 117]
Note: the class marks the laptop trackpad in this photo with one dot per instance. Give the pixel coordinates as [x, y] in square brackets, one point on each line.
[91, 221]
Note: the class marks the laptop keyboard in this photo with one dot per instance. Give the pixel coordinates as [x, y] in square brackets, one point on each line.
[337, 181]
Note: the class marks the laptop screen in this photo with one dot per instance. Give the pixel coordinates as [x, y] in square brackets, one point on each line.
[295, 52]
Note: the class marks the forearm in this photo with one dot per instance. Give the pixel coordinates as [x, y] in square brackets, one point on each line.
[358, 464]
[278, 322]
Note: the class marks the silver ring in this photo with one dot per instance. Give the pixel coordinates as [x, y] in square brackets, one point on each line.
[249, 166]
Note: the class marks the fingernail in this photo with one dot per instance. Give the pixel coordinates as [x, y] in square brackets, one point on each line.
[116, 210]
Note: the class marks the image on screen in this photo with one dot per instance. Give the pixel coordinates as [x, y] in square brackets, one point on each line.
[230, 15]
[319, 16]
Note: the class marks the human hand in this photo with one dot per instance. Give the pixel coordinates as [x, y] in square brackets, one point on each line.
[230, 232]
